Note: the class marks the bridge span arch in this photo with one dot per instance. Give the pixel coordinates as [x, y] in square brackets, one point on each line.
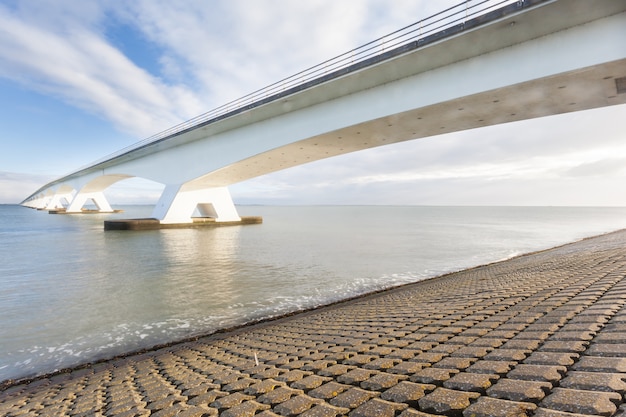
[532, 58]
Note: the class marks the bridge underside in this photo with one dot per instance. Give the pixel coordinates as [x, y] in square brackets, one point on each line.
[583, 89]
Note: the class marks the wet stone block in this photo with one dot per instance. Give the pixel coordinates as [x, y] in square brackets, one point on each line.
[610, 338]
[519, 390]
[600, 364]
[296, 405]
[507, 355]
[329, 390]
[356, 376]
[325, 410]
[552, 358]
[278, 395]
[576, 346]
[407, 392]
[378, 408]
[455, 363]
[263, 387]
[447, 401]
[595, 381]
[582, 402]
[248, 408]
[406, 368]
[616, 350]
[471, 382]
[353, 398]
[382, 381]
[310, 382]
[433, 375]
[546, 373]
[493, 407]
[544, 412]
[491, 367]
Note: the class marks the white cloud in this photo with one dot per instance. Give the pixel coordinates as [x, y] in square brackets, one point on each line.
[14, 187]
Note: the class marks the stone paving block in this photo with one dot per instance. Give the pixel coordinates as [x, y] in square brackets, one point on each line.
[595, 381]
[310, 382]
[239, 385]
[382, 364]
[471, 352]
[318, 365]
[230, 400]
[378, 408]
[522, 344]
[616, 337]
[446, 401]
[278, 395]
[445, 348]
[293, 375]
[407, 392]
[615, 350]
[356, 376]
[325, 410]
[428, 357]
[488, 342]
[582, 402]
[336, 370]
[519, 390]
[552, 358]
[465, 381]
[247, 408]
[352, 398]
[434, 376]
[544, 412]
[491, 367]
[296, 405]
[207, 398]
[600, 364]
[407, 368]
[329, 390]
[571, 335]
[545, 373]
[455, 363]
[515, 355]
[576, 346]
[263, 387]
[615, 327]
[494, 407]
[382, 381]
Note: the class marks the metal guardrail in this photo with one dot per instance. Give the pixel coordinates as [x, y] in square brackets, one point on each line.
[462, 16]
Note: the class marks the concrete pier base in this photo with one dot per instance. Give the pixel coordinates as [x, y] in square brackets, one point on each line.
[154, 224]
[83, 211]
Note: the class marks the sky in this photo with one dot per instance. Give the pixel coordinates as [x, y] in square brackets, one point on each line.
[81, 80]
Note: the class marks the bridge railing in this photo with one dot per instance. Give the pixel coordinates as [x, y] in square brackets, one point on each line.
[331, 68]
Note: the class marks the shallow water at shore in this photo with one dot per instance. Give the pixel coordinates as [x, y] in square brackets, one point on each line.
[73, 293]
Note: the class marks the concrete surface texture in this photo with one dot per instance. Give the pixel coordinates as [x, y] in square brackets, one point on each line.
[539, 335]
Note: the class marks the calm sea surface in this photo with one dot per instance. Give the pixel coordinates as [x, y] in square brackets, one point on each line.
[71, 293]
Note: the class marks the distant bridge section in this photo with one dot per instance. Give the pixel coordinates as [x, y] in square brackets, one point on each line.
[474, 65]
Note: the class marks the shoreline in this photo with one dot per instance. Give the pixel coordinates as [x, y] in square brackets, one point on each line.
[6, 384]
[480, 339]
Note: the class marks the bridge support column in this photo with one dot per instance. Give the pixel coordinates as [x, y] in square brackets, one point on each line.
[57, 201]
[178, 205]
[98, 199]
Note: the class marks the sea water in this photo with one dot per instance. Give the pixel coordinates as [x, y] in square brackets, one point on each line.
[71, 293]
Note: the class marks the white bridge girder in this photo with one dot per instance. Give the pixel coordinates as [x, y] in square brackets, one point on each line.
[558, 57]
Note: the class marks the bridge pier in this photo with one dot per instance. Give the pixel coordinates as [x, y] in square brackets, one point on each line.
[98, 198]
[177, 204]
[58, 200]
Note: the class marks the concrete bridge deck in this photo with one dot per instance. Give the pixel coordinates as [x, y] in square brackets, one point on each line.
[542, 334]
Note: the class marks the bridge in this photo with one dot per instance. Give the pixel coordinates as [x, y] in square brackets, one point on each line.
[473, 65]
